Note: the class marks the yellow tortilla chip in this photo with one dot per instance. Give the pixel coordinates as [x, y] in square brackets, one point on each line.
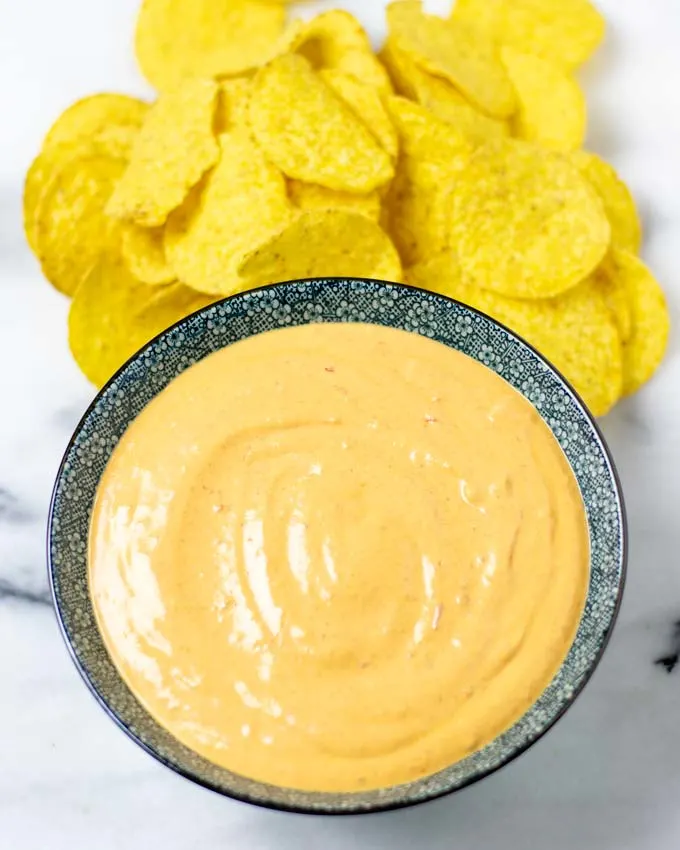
[441, 273]
[525, 223]
[574, 331]
[417, 207]
[551, 106]
[440, 97]
[233, 100]
[310, 133]
[72, 229]
[616, 197]
[144, 254]
[486, 15]
[461, 54]
[173, 150]
[309, 196]
[242, 201]
[645, 347]
[367, 105]
[404, 74]
[615, 293]
[566, 31]
[113, 315]
[336, 40]
[444, 101]
[423, 136]
[93, 117]
[115, 141]
[324, 243]
[38, 177]
[177, 39]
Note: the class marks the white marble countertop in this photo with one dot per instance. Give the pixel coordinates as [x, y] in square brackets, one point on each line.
[607, 777]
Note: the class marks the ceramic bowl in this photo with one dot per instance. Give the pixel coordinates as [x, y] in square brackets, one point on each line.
[336, 300]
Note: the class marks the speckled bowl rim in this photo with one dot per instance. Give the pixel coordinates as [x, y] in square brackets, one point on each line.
[418, 791]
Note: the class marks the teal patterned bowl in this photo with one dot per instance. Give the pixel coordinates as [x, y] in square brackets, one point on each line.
[336, 300]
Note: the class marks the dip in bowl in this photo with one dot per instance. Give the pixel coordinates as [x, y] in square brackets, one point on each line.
[424, 456]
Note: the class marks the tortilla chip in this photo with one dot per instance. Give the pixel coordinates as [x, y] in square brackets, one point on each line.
[452, 49]
[308, 196]
[72, 229]
[574, 331]
[551, 106]
[233, 101]
[241, 202]
[618, 202]
[308, 132]
[440, 97]
[173, 150]
[565, 31]
[525, 223]
[337, 41]
[144, 254]
[179, 39]
[645, 347]
[113, 315]
[324, 243]
[92, 118]
[367, 105]
[114, 141]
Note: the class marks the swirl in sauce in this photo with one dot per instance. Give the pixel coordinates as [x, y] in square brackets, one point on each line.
[338, 557]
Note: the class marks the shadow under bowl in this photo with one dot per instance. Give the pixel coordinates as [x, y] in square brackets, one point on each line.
[332, 300]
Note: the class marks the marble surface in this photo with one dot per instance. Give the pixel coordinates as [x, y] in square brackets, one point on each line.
[608, 776]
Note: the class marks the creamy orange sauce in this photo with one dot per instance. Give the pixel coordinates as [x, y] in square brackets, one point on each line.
[338, 557]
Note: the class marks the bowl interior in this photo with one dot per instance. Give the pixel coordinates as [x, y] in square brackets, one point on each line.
[337, 300]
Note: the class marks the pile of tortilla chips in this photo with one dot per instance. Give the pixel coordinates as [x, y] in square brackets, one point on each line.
[450, 160]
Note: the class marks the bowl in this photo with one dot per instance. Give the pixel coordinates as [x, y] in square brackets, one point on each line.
[303, 302]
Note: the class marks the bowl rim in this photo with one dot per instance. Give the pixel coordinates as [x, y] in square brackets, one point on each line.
[379, 806]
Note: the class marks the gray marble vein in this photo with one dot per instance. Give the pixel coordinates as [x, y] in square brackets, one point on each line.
[12, 511]
[11, 592]
[670, 661]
